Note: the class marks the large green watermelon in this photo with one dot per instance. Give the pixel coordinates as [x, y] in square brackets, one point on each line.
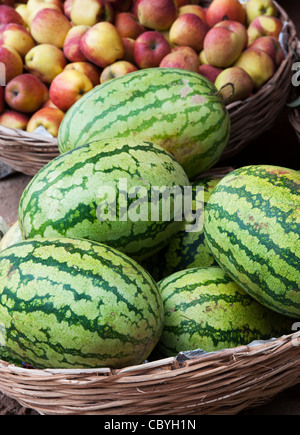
[252, 226]
[71, 303]
[177, 109]
[64, 198]
[205, 309]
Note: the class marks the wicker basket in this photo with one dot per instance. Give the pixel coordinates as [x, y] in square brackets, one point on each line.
[28, 153]
[224, 382]
[294, 117]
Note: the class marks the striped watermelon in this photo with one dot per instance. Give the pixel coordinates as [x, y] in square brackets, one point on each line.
[205, 309]
[63, 198]
[177, 109]
[12, 236]
[252, 226]
[186, 250]
[71, 303]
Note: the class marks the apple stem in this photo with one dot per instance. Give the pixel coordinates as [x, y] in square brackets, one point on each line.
[229, 96]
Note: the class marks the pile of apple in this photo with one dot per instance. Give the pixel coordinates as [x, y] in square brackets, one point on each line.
[53, 52]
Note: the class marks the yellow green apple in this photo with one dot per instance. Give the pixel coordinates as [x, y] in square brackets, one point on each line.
[90, 12]
[150, 48]
[26, 93]
[45, 61]
[68, 87]
[102, 44]
[16, 36]
[183, 58]
[71, 46]
[49, 117]
[87, 68]
[258, 64]
[188, 30]
[13, 119]
[50, 26]
[256, 8]
[117, 69]
[242, 88]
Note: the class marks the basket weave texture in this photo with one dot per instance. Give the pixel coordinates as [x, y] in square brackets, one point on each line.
[224, 382]
[28, 153]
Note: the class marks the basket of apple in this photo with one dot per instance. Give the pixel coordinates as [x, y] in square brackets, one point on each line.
[53, 52]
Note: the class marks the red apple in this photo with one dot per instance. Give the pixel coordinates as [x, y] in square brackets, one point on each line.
[117, 69]
[150, 48]
[49, 117]
[188, 30]
[26, 93]
[87, 68]
[16, 36]
[264, 26]
[102, 44]
[68, 8]
[71, 47]
[128, 45]
[50, 26]
[68, 87]
[128, 25]
[9, 15]
[13, 119]
[237, 28]
[182, 58]
[11, 64]
[193, 9]
[220, 10]
[156, 14]
[210, 72]
[271, 46]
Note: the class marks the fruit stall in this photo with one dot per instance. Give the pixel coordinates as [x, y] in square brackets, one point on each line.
[152, 264]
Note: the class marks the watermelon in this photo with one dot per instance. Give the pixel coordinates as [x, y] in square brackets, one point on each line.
[12, 236]
[187, 249]
[205, 309]
[64, 198]
[252, 226]
[73, 303]
[180, 110]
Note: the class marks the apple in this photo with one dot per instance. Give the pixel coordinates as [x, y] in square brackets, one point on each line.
[223, 46]
[188, 30]
[9, 15]
[26, 93]
[68, 87]
[117, 69]
[210, 72]
[71, 46]
[192, 9]
[150, 48]
[264, 26]
[90, 12]
[242, 84]
[45, 61]
[156, 14]
[36, 5]
[22, 10]
[87, 68]
[256, 8]
[49, 103]
[238, 28]
[13, 119]
[40, 6]
[16, 36]
[202, 58]
[102, 44]
[128, 25]
[68, 8]
[49, 117]
[183, 58]
[271, 46]
[220, 10]
[128, 45]
[121, 5]
[258, 64]
[50, 26]
[2, 100]
[11, 64]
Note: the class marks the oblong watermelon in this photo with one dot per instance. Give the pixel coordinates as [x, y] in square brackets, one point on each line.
[180, 110]
[65, 197]
[71, 303]
[205, 309]
[252, 226]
